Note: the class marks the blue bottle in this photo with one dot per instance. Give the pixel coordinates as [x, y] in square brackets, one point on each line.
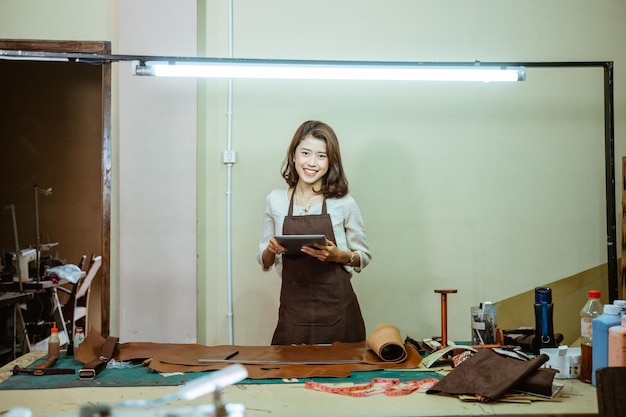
[600, 334]
[544, 332]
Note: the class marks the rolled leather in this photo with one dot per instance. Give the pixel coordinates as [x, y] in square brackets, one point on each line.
[387, 343]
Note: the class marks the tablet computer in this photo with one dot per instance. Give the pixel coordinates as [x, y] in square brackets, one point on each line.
[293, 243]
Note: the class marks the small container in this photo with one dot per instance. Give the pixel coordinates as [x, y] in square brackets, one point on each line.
[54, 343]
[79, 336]
[617, 344]
[484, 324]
[592, 309]
[622, 306]
[601, 324]
[564, 359]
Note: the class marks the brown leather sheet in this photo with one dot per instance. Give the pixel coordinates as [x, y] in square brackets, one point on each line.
[296, 361]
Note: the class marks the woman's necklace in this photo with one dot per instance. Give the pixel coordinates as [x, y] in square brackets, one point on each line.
[305, 206]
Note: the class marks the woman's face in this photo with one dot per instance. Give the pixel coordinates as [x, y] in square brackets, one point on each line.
[311, 160]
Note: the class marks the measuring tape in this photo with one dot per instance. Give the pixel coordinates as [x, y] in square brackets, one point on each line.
[388, 386]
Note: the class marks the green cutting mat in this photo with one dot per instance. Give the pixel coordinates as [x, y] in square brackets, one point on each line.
[131, 375]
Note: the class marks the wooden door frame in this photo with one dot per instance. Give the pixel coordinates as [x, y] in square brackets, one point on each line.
[100, 48]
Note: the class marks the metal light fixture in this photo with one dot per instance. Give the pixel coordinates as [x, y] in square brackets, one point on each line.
[328, 70]
[233, 68]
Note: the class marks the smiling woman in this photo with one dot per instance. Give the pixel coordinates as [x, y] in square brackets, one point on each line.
[317, 301]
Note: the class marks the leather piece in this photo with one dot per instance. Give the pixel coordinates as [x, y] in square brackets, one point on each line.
[96, 365]
[490, 376]
[49, 363]
[90, 348]
[387, 343]
[525, 338]
[296, 361]
[539, 382]
[42, 371]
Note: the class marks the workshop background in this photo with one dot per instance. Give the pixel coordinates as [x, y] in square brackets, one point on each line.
[490, 189]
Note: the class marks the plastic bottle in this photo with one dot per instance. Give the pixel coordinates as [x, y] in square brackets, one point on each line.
[622, 306]
[592, 309]
[54, 343]
[79, 336]
[617, 344]
[600, 328]
[544, 311]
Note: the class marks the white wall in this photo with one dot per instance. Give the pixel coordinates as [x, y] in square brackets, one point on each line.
[490, 189]
[157, 190]
[91, 20]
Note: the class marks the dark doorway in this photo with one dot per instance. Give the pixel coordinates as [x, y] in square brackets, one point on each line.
[55, 133]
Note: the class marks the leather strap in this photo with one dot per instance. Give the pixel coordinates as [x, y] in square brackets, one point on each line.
[94, 367]
[42, 371]
[49, 363]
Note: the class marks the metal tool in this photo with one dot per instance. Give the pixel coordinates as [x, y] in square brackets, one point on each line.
[42, 371]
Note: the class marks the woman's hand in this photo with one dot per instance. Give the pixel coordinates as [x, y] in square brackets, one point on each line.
[325, 253]
[269, 254]
[274, 247]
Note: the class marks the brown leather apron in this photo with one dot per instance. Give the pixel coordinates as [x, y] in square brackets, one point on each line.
[317, 301]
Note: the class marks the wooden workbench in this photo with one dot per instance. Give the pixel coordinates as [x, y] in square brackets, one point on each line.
[293, 400]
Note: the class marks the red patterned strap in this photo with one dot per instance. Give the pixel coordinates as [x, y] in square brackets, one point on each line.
[388, 386]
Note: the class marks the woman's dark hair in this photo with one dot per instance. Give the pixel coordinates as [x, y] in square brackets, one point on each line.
[334, 183]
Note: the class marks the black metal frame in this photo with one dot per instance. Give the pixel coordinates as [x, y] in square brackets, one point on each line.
[609, 163]
[609, 127]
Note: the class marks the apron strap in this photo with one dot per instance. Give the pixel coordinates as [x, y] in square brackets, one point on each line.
[290, 211]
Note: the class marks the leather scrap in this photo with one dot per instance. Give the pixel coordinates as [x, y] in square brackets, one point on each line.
[490, 376]
[96, 365]
[524, 337]
[49, 363]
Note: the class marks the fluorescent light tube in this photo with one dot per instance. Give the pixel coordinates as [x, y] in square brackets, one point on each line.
[324, 70]
[34, 58]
